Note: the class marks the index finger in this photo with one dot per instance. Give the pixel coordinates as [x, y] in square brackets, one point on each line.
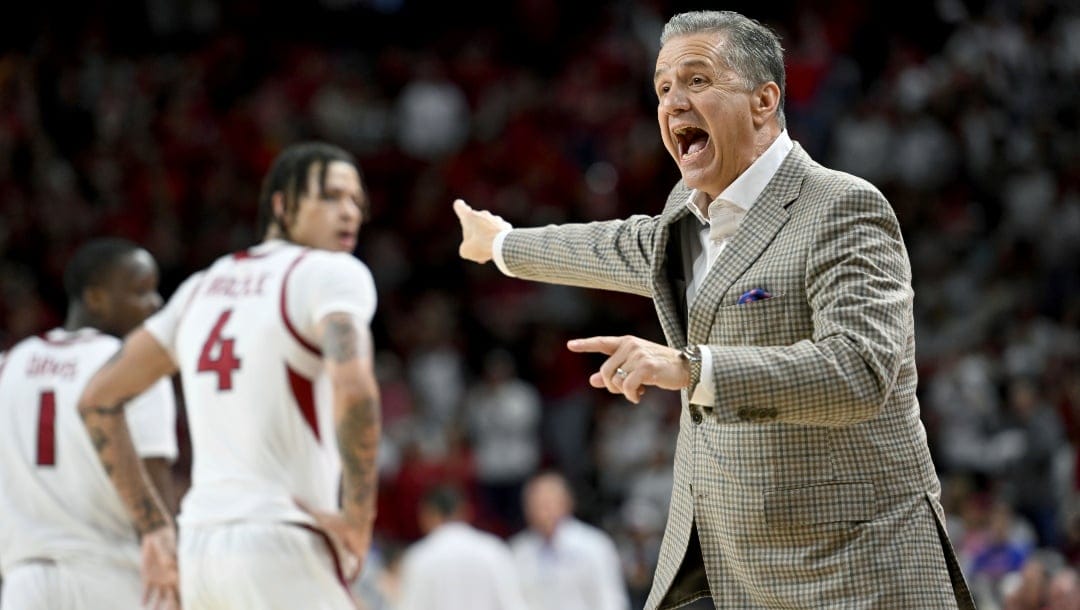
[461, 208]
[603, 345]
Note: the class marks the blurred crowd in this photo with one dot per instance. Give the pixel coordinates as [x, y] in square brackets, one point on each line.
[965, 113]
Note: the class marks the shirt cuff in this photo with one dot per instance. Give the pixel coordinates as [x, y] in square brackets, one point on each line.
[705, 392]
[497, 254]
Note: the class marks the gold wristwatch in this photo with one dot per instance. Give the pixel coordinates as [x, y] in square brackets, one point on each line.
[692, 355]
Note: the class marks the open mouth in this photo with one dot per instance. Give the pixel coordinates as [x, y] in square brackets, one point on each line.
[347, 238]
[690, 140]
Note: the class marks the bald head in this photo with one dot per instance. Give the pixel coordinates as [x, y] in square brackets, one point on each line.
[547, 501]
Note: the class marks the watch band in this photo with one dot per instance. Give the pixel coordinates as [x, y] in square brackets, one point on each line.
[692, 355]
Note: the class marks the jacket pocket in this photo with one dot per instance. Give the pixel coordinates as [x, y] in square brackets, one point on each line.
[851, 501]
[775, 321]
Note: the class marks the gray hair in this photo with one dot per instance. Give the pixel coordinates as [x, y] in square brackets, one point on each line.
[752, 51]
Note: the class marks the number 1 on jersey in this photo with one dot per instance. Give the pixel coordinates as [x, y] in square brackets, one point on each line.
[46, 432]
[224, 362]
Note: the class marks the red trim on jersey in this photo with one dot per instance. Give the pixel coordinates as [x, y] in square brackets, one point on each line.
[284, 312]
[46, 441]
[191, 299]
[244, 255]
[338, 571]
[304, 393]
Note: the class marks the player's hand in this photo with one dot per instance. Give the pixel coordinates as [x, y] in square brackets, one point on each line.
[160, 576]
[634, 363]
[478, 231]
[353, 542]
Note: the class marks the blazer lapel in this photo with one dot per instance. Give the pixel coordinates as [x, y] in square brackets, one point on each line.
[762, 223]
[664, 298]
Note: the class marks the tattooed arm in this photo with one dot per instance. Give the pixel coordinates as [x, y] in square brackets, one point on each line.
[139, 363]
[349, 361]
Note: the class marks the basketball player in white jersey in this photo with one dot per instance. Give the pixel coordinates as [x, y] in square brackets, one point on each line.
[274, 350]
[66, 541]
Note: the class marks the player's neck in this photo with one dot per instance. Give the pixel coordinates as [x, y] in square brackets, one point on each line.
[79, 318]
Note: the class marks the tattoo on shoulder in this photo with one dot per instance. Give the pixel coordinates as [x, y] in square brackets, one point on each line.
[341, 342]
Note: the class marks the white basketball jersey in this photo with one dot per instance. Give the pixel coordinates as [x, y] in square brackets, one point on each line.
[258, 401]
[56, 502]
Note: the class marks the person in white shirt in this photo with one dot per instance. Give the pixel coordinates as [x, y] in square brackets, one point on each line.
[456, 566]
[66, 541]
[274, 350]
[565, 564]
[503, 415]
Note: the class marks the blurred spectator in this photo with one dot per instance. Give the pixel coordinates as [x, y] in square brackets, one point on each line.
[638, 541]
[1028, 589]
[565, 564]
[429, 458]
[1064, 591]
[1028, 479]
[455, 566]
[436, 368]
[999, 551]
[503, 413]
[433, 118]
[379, 584]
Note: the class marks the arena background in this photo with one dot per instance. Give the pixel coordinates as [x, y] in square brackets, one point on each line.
[155, 121]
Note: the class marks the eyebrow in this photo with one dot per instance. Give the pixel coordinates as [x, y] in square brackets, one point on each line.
[689, 63]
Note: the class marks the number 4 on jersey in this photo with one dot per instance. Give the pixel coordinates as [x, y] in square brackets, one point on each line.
[217, 354]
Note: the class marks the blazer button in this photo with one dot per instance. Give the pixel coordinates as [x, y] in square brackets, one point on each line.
[695, 416]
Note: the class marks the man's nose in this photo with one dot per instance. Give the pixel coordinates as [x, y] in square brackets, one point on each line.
[349, 209]
[675, 100]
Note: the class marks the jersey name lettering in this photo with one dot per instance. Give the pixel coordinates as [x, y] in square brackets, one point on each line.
[237, 287]
[41, 366]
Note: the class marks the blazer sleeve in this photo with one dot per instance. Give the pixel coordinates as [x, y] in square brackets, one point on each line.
[858, 289]
[610, 255]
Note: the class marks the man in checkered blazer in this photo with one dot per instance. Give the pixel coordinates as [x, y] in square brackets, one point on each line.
[802, 475]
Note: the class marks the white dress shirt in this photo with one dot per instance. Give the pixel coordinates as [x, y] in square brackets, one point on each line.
[579, 569]
[458, 567]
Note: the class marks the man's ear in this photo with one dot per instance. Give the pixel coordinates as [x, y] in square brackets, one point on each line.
[277, 205]
[96, 300]
[765, 103]
[279, 224]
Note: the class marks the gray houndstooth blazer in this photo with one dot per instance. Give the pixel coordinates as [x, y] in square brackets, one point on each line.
[809, 483]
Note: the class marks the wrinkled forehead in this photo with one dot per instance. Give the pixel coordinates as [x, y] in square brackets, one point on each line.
[698, 50]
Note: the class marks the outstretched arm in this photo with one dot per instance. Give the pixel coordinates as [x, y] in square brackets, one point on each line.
[610, 255]
[140, 362]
